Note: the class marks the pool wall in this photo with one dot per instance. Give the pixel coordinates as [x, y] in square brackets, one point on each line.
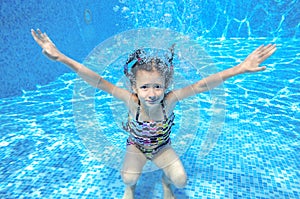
[77, 27]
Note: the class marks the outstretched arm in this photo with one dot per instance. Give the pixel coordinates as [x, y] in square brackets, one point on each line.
[250, 64]
[50, 50]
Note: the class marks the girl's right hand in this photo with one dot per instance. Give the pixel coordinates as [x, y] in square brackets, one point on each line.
[49, 49]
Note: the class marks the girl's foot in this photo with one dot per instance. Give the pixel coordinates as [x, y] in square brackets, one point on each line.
[168, 193]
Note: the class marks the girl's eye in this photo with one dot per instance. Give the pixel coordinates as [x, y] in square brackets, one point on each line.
[158, 87]
[143, 87]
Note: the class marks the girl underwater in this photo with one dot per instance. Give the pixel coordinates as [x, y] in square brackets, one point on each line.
[150, 108]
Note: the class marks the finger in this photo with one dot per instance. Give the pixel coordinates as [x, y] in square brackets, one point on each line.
[262, 68]
[33, 33]
[268, 51]
[258, 49]
[48, 39]
[262, 49]
[258, 69]
[36, 37]
[41, 35]
[265, 52]
[268, 47]
[39, 32]
[255, 52]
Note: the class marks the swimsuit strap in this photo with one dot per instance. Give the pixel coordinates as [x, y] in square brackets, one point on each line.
[139, 109]
[164, 110]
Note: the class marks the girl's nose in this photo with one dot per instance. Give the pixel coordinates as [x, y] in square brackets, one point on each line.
[152, 97]
[151, 94]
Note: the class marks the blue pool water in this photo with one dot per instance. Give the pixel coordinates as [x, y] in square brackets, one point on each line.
[255, 155]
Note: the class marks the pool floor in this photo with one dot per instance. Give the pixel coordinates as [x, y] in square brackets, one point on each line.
[256, 155]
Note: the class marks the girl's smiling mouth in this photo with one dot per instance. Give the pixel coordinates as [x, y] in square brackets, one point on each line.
[152, 101]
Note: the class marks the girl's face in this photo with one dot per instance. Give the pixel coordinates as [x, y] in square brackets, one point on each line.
[150, 87]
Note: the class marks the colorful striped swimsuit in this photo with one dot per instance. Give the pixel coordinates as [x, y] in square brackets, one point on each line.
[149, 137]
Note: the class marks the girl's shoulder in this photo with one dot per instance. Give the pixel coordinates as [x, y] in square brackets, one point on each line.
[170, 102]
[170, 98]
[133, 103]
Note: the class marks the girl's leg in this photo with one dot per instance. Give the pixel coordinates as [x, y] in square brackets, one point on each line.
[134, 162]
[174, 172]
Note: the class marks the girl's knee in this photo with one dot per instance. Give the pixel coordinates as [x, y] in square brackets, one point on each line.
[179, 179]
[176, 174]
[129, 178]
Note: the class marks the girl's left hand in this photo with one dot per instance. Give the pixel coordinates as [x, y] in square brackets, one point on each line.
[253, 61]
[49, 49]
